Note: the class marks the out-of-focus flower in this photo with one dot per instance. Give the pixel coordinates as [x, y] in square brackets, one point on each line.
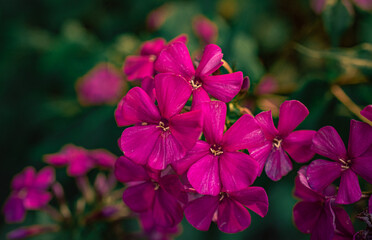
[320, 5]
[162, 197]
[102, 85]
[205, 29]
[347, 164]
[161, 135]
[32, 231]
[317, 214]
[29, 192]
[367, 112]
[157, 17]
[228, 209]
[79, 160]
[217, 165]
[272, 154]
[175, 61]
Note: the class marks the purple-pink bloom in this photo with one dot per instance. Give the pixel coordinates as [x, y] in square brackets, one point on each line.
[29, 192]
[139, 67]
[102, 85]
[205, 29]
[228, 210]
[175, 59]
[272, 153]
[317, 214]
[79, 160]
[161, 134]
[347, 164]
[367, 112]
[217, 165]
[155, 232]
[149, 191]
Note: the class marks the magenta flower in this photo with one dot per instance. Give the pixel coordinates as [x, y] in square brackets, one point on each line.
[271, 154]
[367, 112]
[205, 29]
[357, 160]
[176, 59]
[149, 191]
[155, 232]
[79, 161]
[139, 67]
[317, 214]
[227, 209]
[161, 135]
[29, 192]
[216, 165]
[101, 85]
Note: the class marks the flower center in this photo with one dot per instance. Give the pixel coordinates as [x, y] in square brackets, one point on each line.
[277, 142]
[345, 163]
[223, 195]
[163, 124]
[216, 150]
[195, 83]
[156, 186]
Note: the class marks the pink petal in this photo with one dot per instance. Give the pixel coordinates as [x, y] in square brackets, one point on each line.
[180, 38]
[175, 59]
[367, 111]
[291, 114]
[349, 190]
[204, 175]
[328, 143]
[265, 120]
[14, 210]
[325, 226]
[186, 128]
[254, 198]
[232, 216]
[138, 67]
[148, 85]
[260, 154]
[237, 170]
[303, 189]
[152, 47]
[44, 178]
[172, 185]
[244, 133]
[277, 164]
[199, 150]
[199, 96]
[140, 198]
[365, 5]
[298, 145]
[136, 107]
[214, 114]
[318, 5]
[223, 87]
[172, 93]
[211, 60]
[138, 142]
[321, 173]
[103, 158]
[363, 165]
[128, 171]
[360, 138]
[24, 179]
[35, 199]
[167, 212]
[306, 215]
[56, 159]
[80, 165]
[343, 222]
[199, 212]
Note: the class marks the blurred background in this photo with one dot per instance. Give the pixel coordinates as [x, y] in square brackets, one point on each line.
[318, 53]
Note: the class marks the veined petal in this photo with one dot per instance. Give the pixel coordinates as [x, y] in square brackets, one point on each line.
[199, 96]
[349, 190]
[136, 107]
[199, 150]
[44, 178]
[362, 165]
[214, 115]
[277, 164]
[14, 210]
[138, 142]
[298, 145]
[152, 47]
[175, 59]
[254, 198]
[140, 198]
[306, 215]
[291, 114]
[303, 189]
[211, 60]
[325, 226]
[199, 212]
[367, 112]
[138, 67]
[204, 175]
[321, 173]
[237, 170]
[244, 133]
[265, 120]
[172, 93]
[128, 171]
[360, 139]
[260, 154]
[172, 185]
[223, 87]
[328, 143]
[233, 217]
